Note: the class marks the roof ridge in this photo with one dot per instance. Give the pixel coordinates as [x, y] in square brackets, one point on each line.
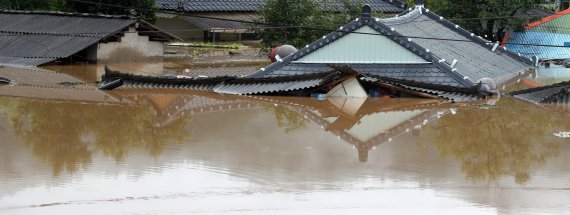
[59, 13]
[101, 35]
[405, 16]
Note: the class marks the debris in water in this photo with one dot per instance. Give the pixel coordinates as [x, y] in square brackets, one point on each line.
[562, 134]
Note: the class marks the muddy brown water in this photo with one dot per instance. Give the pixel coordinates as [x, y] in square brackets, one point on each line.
[171, 152]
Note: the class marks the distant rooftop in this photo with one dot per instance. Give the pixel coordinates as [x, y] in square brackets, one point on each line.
[386, 6]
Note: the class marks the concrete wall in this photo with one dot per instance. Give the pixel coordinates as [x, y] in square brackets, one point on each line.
[130, 48]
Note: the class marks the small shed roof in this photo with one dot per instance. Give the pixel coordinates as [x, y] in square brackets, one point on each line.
[33, 38]
[386, 6]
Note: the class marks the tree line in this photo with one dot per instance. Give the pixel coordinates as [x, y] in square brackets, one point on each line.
[489, 18]
[138, 8]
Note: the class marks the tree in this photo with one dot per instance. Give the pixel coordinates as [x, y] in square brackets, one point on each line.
[484, 17]
[287, 16]
[140, 8]
[52, 5]
[137, 8]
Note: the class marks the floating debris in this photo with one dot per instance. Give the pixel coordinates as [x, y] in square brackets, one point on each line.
[562, 134]
[4, 81]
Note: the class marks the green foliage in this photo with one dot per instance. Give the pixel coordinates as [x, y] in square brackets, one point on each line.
[318, 18]
[286, 118]
[138, 8]
[51, 5]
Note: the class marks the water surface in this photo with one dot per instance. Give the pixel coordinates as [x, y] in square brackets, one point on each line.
[182, 153]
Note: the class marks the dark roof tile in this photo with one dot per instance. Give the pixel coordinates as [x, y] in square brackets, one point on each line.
[386, 6]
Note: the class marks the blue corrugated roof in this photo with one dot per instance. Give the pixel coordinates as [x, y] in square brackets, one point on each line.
[543, 42]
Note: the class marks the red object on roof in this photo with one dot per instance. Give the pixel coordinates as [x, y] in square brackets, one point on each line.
[547, 19]
[273, 52]
[506, 39]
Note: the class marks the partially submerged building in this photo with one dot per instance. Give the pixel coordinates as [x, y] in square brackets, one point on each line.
[550, 94]
[33, 38]
[548, 38]
[418, 53]
[196, 26]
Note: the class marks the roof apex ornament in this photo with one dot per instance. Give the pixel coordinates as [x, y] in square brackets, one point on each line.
[366, 11]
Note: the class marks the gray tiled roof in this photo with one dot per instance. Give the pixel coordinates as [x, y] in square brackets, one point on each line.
[387, 6]
[555, 93]
[474, 55]
[475, 59]
[209, 24]
[444, 94]
[21, 61]
[262, 88]
[427, 73]
[32, 38]
[236, 71]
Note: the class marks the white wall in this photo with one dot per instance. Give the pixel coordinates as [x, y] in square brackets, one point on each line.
[130, 48]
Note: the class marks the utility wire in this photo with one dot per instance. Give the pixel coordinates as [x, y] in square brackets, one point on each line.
[270, 26]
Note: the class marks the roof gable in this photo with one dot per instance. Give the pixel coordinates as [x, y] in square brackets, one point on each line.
[363, 46]
[371, 125]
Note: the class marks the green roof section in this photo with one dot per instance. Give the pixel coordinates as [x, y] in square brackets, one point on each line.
[364, 46]
[560, 25]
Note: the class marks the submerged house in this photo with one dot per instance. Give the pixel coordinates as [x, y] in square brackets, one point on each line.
[34, 38]
[196, 26]
[418, 53]
[558, 93]
[548, 38]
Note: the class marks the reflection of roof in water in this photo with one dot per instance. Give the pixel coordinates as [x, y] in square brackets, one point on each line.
[552, 75]
[363, 123]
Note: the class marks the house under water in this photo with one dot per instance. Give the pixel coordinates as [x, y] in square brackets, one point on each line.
[417, 53]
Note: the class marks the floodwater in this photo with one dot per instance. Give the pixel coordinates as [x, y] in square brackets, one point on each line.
[179, 152]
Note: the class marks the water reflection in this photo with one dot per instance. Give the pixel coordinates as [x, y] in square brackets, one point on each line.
[490, 142]
[509, 140]
[67, 134]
